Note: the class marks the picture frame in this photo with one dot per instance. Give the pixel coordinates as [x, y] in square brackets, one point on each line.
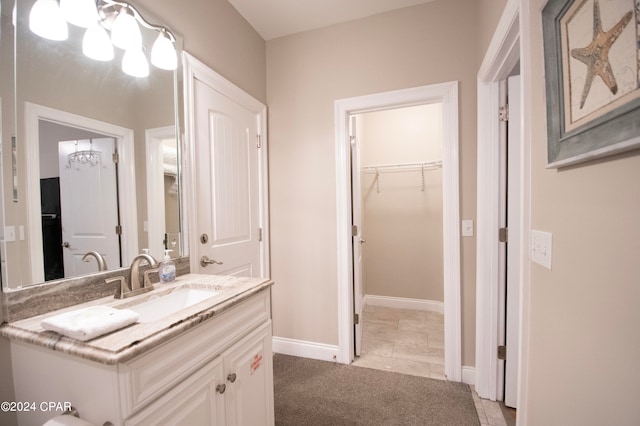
[592, 79]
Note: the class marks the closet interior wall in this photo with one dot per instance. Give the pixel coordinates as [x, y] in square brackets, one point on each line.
[402, 207]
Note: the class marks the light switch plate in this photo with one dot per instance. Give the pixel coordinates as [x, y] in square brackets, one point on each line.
[541, 248]
[9, 233]
[467, 228]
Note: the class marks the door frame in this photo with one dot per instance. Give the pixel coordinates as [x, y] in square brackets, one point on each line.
[156, 223]
[447, 94]
[510, 43]
[126, 179]
[193, 69]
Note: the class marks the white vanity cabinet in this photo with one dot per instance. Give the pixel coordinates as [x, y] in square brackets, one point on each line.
[235, 388]
[219, 372]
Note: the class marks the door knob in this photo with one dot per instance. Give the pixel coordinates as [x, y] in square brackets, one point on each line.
[232, 377]
[362, 241]
[204, 261]
[66, 244]
[221, 388]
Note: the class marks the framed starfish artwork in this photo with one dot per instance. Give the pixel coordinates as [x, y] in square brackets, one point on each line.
[592, 75]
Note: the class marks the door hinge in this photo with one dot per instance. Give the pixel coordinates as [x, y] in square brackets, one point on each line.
[259, 140]
[503, 115]
[115, 157]
[259, 234]
[354, 230]
[356, 318]
[503, 235]
[118, 229]
[502, 352]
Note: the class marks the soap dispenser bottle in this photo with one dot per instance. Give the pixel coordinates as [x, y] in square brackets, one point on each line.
[167, 270]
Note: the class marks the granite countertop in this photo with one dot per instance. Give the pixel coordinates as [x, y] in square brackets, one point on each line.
[129, 342]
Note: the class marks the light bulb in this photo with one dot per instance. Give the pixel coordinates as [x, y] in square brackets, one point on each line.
[163, 54]
[82, 13]
[46, 20]
[125, 32]
[96, 43]
[135, 63]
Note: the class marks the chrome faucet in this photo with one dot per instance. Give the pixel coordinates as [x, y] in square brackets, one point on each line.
[135, 285]
[102, 264]
[134, 277]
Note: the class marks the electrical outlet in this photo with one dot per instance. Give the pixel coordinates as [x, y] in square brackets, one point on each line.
[541, 248]
[467, 228]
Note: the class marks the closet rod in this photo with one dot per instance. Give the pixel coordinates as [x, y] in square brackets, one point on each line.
[427, 165]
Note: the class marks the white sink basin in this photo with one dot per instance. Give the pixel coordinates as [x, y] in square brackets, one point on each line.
[154, 309]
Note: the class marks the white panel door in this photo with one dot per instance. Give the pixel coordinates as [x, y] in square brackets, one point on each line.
[358, 240]
[89, 207]
[227, 187]
[513, 246]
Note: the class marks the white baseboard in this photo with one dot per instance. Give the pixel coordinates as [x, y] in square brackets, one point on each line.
[304, 349]
[468, 375]
[403, 303]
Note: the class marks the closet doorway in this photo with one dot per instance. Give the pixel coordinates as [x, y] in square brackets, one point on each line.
[398, 255]
[351, 296]
[400, 196]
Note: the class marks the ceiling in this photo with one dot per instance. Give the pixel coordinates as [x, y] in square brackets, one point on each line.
[278, 18]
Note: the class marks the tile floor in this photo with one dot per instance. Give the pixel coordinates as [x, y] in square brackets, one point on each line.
[412, 342]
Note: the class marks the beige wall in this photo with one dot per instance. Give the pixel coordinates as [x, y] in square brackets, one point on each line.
[489, 12]
[216, 34]
[584, 346]
[402, 211]
[306, 73]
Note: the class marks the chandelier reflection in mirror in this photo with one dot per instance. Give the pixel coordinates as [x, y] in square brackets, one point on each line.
[108, 23]
[88, 156]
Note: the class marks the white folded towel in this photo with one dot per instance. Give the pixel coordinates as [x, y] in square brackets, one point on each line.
[87, 323]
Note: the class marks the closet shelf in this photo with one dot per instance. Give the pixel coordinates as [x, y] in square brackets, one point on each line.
[403, 167]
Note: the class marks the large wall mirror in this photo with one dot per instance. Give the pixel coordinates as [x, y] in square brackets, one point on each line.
[90, 154]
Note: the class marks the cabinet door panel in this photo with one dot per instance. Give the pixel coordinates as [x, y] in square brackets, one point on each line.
[194, 402]
[248, 368]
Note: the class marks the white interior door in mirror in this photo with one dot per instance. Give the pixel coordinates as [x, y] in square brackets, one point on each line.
[88, 204]
[227, 192]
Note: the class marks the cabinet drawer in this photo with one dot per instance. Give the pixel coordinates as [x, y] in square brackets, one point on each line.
[148, 376]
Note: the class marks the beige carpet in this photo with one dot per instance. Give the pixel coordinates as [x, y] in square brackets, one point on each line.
[310, 392]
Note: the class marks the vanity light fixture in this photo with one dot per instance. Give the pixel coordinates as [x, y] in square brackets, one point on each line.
[125, 32]
[135, 63]
[109, 23]
[96, 43]
[163, 54]
[46, 20]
